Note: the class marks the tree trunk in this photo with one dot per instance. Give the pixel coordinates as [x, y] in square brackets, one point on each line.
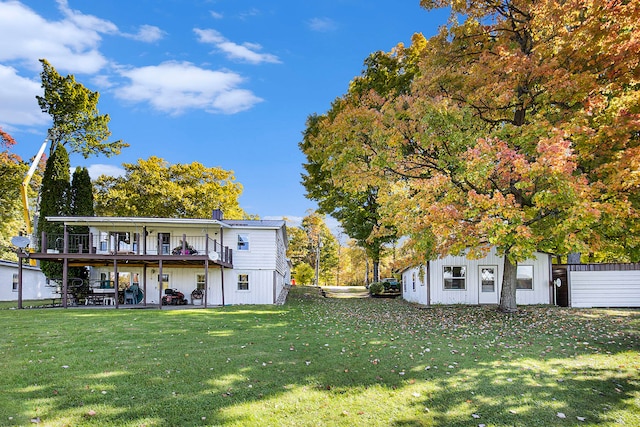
[508, 295]
[376, 271]
[574, 258]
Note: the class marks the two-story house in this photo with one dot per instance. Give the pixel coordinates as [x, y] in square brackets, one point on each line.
[230, 261]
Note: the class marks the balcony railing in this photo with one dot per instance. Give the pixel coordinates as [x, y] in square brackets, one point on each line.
[135, 244]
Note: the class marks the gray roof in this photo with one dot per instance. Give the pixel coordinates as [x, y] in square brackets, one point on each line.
[267, 223]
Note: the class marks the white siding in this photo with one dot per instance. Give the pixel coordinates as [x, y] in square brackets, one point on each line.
[604, 288]
[265, 261]
[262, 249]
[261, 287]
[439, 295]
[410, 277]
[34, 283]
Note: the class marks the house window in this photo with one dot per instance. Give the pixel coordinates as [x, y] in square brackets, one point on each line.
[15, 283]
[243, 282]
[455, 278]
[524, 277]
[200, 281]
[413, 280]
[164, 280]
[124, 279]
[243, 242]
[165, 243]
[488, 279]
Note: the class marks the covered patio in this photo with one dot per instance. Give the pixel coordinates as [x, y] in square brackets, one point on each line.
[75, 250]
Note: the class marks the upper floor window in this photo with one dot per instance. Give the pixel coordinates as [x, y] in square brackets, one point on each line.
[243, 242]
[165, 243]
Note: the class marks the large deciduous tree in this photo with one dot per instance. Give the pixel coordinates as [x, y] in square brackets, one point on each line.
[155, 188]
[521, 131]
[336, 169]
[77, 123]
[552, 88]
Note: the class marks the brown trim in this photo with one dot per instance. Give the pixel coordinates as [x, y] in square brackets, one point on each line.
[603, 267]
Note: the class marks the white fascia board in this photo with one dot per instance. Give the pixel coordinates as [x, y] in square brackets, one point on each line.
[135, 221]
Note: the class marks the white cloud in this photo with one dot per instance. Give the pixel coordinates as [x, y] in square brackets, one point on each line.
[247, 52]
[216, 15]
[175, 87]
[18, 94]
[70, 44]
[98, 169]
[322, 25]
[147, 34]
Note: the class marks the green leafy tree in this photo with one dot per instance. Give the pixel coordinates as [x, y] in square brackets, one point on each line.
[155, 188]
[81, 204]
[77, 123]
[303, 274]
[332, 144]
[298, 248]
[320, 241]
[54, 201]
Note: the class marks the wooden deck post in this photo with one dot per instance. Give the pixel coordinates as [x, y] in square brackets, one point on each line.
[65, 267]
[160, 284]
[116, 282]
[20, 278]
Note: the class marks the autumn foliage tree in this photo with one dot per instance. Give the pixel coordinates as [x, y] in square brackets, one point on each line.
[520, 131]
[12, 171]
[555, 85]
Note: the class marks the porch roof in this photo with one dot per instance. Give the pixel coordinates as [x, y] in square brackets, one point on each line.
[135, 221]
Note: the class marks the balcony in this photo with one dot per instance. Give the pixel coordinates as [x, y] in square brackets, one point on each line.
[134, 247]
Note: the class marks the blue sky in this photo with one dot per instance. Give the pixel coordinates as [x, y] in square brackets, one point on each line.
[228, 83]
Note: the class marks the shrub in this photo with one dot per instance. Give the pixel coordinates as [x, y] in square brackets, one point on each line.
[376, 288]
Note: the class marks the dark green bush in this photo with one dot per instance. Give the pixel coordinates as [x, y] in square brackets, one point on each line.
[376, 288]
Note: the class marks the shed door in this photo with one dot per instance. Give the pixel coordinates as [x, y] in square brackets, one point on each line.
[488, 286]
[561, 285]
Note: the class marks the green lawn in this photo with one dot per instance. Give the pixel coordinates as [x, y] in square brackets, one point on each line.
[320, 361]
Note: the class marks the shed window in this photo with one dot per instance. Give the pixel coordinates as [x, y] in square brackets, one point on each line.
[243, 282]
[455, 277]
[524, 279]
[15, 283]
[243, 242]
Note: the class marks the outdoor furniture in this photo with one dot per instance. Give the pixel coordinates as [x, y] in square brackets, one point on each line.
[129, 297]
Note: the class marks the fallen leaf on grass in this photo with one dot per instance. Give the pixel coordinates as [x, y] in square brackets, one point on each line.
[476, 416]
[561, 415]
[91, 413]
[35, 420]
[581, 418]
